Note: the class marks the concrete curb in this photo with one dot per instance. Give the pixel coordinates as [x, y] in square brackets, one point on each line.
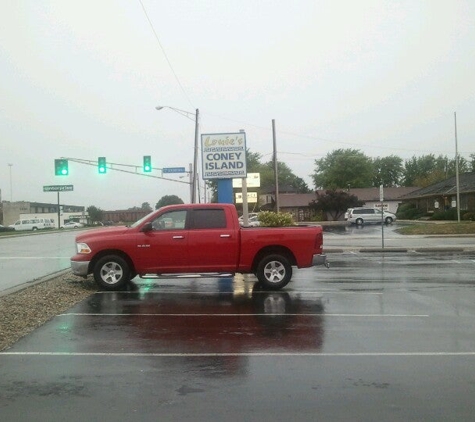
[398, 250]
[27, 284]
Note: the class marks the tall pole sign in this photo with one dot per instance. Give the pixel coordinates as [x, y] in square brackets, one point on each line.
[58, 188]
[224, 158]
[381, 198]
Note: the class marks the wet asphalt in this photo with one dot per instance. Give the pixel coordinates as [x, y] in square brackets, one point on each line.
[377, 337]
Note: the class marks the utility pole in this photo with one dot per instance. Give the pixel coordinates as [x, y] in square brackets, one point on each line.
[11, 184]
[457, 170]
[276, 169]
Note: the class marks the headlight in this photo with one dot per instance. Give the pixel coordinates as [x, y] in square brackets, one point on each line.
[83, 248]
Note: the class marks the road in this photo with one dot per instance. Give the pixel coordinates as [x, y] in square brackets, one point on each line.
[353, 238]
[30, 257]
[377, 337]
[27, 258]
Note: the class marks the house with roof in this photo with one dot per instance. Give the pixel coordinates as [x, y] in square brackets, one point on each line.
[442, 195]
[298, 203]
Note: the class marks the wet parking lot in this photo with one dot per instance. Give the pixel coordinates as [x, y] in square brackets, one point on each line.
[375, 337]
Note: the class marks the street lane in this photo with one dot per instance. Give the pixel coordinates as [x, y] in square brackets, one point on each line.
[351, 237]
[33, 256]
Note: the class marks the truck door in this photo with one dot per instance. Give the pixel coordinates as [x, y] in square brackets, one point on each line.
[164, 248]
[212, 241]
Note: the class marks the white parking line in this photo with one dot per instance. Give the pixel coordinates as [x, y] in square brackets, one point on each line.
[259, 314]
[34, 257]
[250, 354]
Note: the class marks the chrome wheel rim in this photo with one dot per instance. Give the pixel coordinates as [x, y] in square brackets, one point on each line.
[111, 273]
[274, 272]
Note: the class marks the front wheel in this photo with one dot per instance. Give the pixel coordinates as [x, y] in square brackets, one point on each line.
[389, 220]
[112, 272]
[274, 271]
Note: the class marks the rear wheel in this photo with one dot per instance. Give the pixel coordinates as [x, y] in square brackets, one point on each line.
[388, 220]
[274, 271]
[112, 272]
[359, 221]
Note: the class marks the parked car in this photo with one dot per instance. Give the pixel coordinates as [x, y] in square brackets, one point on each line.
[32, 224]
[252, 220]
[363, 215]
[72, 225]
[193, 239]
[6, 229]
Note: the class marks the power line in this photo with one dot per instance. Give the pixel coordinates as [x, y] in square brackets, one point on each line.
[165, 54]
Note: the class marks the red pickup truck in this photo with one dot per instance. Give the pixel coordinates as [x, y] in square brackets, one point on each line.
[196, 238]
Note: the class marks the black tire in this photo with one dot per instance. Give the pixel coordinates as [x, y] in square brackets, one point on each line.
[34, 228]
[112, 272]
[388, 220]
[274, 271]
[359, 221]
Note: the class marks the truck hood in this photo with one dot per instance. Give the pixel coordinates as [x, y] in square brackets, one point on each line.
[102, 233]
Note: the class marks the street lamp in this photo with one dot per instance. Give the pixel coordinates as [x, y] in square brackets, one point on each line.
[187, 114]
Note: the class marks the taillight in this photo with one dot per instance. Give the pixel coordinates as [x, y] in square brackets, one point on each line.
[319, 241]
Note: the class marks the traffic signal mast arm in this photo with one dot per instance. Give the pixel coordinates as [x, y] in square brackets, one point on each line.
[61, 163]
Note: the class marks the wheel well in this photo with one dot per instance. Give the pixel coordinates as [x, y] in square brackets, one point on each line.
[271, 250]
[117, 252]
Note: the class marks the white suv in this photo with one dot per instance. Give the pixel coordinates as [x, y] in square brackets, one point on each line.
[363, 215]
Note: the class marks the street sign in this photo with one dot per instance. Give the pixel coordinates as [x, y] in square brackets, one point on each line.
[223, 155]
[58, 188]
[251, 197]
[253, 180]
[173, 170]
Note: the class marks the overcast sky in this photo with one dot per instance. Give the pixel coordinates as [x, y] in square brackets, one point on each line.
[81, 79]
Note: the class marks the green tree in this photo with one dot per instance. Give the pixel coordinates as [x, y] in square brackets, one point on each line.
[146, 207]
[342, 168]
[472, 163]
[335, 203]
[429, 169]
[286, 178]
[387, 171]
[168, 200]
[95, 214]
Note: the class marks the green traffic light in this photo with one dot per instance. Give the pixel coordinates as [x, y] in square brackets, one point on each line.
[61, 167]
[147, 163]
[101, 165]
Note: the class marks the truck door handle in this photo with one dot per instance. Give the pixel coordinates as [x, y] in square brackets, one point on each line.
[224, 235]
[178, 237]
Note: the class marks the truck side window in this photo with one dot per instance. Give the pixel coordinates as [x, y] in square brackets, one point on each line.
[208, 219]
[173, 220]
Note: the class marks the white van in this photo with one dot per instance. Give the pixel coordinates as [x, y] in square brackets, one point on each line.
[33, 224]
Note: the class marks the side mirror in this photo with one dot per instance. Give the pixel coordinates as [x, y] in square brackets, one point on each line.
[147, 227]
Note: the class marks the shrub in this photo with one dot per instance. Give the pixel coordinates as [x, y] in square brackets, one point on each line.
[468, 216]
[450, 214]
[408, 212]
[274, 219]
[318, 216]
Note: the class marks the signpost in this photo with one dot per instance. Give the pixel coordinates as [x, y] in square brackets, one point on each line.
[223, 155]
[381, 198]
[58, 188]
[253, 180]
[174, 170]
[251, 197]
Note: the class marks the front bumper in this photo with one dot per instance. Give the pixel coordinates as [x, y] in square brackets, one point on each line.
[320, 259]
[80, 268]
